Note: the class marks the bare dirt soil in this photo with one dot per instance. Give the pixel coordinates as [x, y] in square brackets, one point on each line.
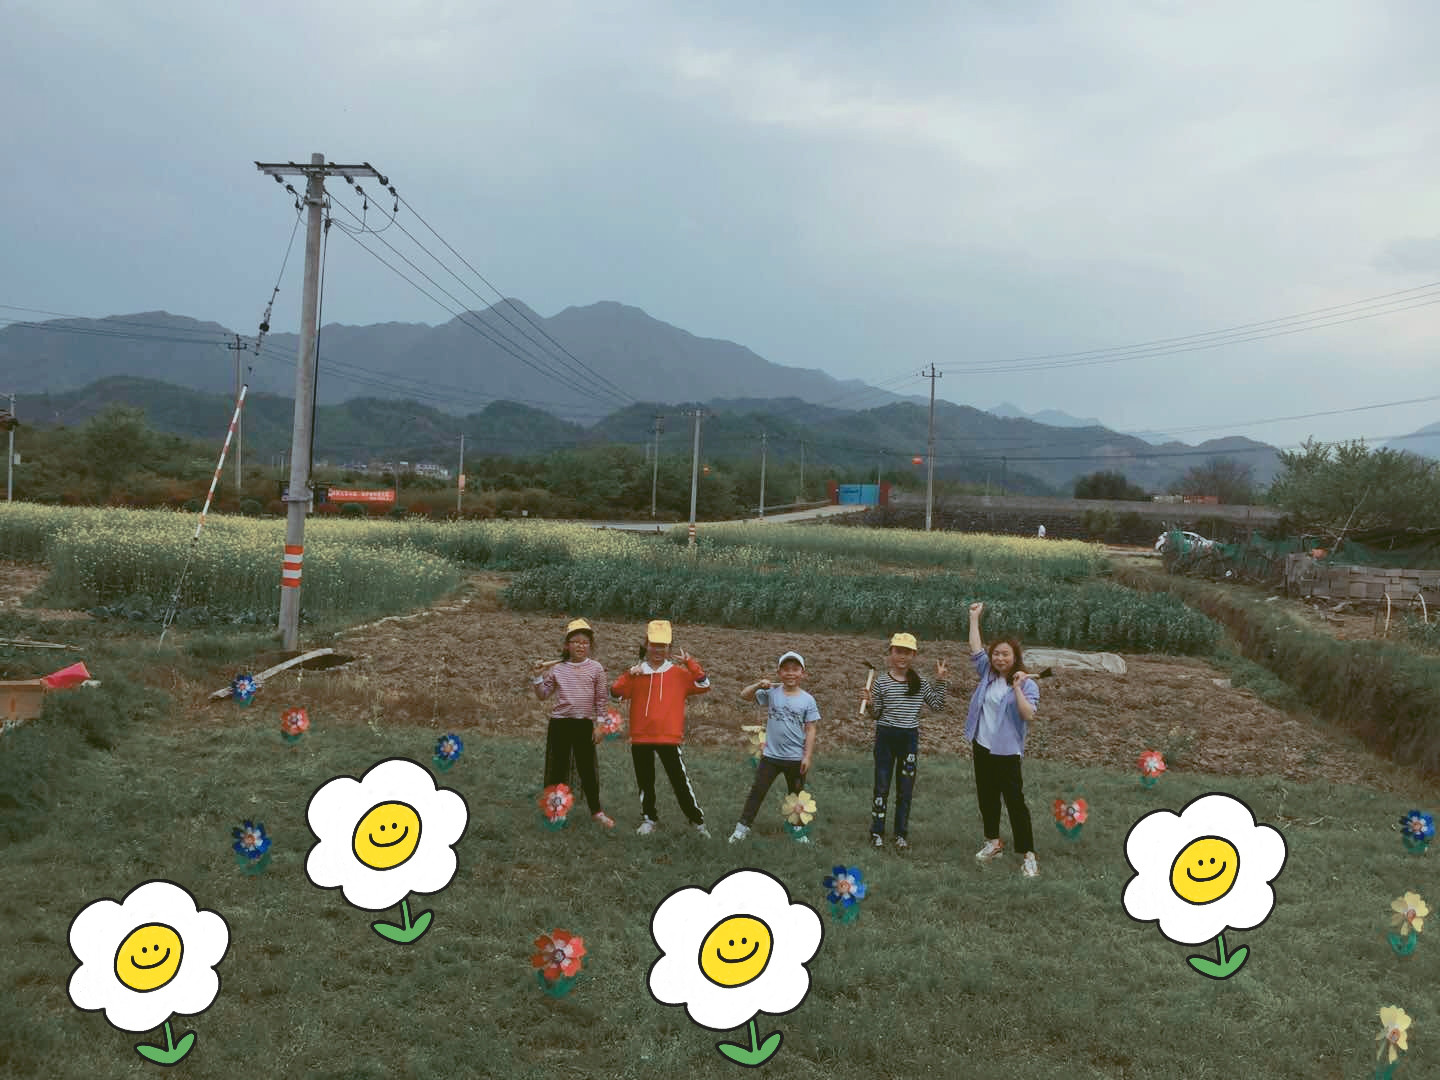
[464, 665]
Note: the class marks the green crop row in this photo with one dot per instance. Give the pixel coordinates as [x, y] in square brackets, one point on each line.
[898, 547]
[1090, 615]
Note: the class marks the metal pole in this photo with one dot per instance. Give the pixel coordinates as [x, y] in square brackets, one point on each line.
[802, 470]
[763, 437]
[658, 426]
[10, 456]
[460, 480]
[930, 452]
[695, 473]
[299, 496]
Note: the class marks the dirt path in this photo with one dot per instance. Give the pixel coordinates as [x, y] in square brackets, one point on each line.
[463, 665]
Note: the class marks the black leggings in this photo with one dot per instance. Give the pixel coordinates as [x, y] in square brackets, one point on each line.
[765, 774]
[643, 756]
[997, 776]
[568, 737]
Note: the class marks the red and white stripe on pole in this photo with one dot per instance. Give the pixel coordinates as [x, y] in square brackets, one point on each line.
[290, 573]
[692, 535]
[215, 480]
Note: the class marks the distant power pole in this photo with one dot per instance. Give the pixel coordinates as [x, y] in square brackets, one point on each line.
[656, 428]
[237, 349]
[932, 375]
[460, 480]
[10, 453]
[802, 470]
[763, 437]
[298, 498]
[697, 413]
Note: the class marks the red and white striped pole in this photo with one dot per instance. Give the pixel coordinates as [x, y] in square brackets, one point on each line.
[290, 568]
[215, 480]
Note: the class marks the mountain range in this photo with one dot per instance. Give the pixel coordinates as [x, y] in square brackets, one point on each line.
[518, 383]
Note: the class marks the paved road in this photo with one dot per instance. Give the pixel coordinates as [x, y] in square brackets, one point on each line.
[818, 513]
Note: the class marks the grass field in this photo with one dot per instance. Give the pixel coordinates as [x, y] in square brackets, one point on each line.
[952, 969]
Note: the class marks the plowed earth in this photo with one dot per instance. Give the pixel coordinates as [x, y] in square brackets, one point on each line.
[463, 665]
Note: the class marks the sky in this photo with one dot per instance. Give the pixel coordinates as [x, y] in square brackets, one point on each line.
[969, 185]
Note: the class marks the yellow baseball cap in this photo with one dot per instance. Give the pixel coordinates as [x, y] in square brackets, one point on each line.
[575, 626]
[904, 641]
[658, 631]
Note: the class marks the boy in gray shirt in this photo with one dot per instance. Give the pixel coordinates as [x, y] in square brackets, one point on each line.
[789, 736]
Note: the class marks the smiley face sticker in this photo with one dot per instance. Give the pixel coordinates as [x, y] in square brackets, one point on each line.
[384, 836]
[736, 951]
[733, 951]
[1202, 871]
[145, 958]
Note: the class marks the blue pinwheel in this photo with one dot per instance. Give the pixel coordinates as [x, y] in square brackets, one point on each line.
[845, 889]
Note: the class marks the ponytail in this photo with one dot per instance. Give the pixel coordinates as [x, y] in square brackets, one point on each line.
[912, 682]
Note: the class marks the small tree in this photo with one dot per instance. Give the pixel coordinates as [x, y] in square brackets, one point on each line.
[1108, 485]
[1225, 478]
[1335, 489]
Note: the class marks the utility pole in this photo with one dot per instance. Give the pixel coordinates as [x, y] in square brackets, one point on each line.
[763, 437]
[932, 375]
[237, 349]
[460, 480]
[656, 428]
[10, 453]
[298, 498]
[694, 469]
[1004, 468]
[802, 470]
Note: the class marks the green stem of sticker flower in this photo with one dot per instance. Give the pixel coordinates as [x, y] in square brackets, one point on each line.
[754, 1038]
[1220, 940]
[405, 914]
[169, 1039]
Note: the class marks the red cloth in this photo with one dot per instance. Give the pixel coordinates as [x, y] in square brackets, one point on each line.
[65, 678]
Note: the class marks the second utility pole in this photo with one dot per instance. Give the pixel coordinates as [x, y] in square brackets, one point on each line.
[237, 349]
[763, 437]
[932, 375]
[694, 470]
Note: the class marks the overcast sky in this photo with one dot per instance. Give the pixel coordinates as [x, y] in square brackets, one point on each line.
[832, 186]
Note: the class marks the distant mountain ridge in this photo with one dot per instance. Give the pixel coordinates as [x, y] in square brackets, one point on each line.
[971, 445]
[1424, 442]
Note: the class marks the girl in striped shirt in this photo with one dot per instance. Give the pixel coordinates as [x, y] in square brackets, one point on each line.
[581, 694]
[895, 700]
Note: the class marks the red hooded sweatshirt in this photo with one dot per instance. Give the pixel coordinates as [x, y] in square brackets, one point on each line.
[657, 699]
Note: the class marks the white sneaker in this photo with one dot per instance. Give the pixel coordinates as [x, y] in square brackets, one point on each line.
[740, 833]
[991, 850]
[702, 831]
[876, 840]
[1031, 867]
[646, 827]
[802, 840]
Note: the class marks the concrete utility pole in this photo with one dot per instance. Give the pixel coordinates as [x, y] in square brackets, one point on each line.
[460, 480]
[237, 349]
[932, 375]
[299, 497]
[10, 454]
[656, 428]
[694, 469]
[802, 470]
[763, 436]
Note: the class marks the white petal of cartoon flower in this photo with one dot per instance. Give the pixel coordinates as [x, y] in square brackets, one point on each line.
[385, 835]
[1202, 870]
[147, 957]
[739, 949]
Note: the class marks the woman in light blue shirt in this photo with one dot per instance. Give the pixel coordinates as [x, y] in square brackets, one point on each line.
[1001, 710]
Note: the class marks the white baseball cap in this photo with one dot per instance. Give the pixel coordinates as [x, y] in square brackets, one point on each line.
[791, 655]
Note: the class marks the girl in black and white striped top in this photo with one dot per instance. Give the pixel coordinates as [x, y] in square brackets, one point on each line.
[895, 700]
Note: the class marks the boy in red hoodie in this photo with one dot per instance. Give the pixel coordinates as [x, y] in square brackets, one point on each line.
[656, 689]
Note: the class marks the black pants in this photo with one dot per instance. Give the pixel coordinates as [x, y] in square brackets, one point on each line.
[892, 743]
[643, 755]
[573, 738]
[765, 774]
[997, 776]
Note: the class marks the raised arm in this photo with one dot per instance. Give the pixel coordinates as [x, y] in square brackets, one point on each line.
[976, 644]
[748, 694]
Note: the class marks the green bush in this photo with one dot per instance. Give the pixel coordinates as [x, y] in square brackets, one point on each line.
[352, 510]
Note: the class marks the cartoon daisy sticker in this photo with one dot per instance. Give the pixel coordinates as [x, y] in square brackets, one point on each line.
[146, 958]
[734, 951]
[384, 836]
[1202, 871]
